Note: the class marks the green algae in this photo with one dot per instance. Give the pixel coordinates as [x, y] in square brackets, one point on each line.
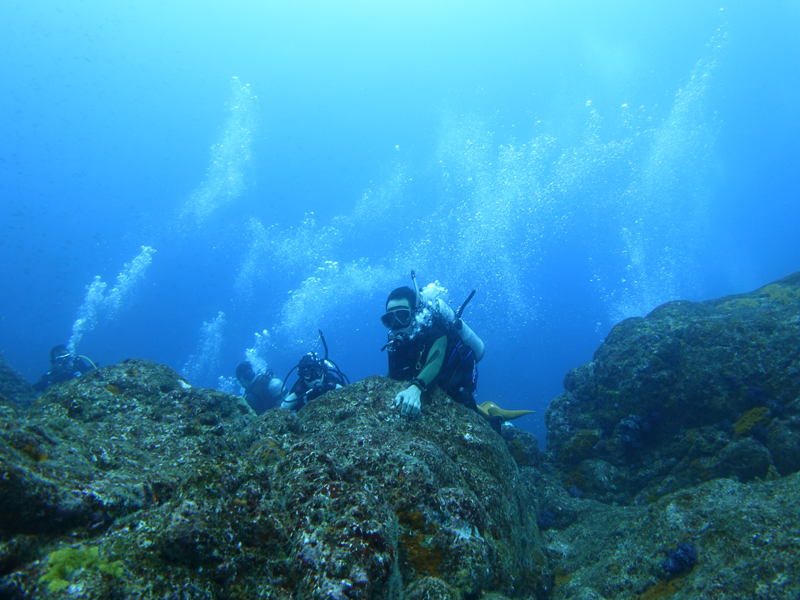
[780, 294]
[754, 417]
[65, 564]
[580, 446]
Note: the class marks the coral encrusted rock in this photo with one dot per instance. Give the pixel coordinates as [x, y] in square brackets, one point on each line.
[15, 391]
[719, 539]
[692, 392]
[129, 482]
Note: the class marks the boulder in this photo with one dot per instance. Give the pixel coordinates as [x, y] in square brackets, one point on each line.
[129, 482]
[719, 539]
[691, 392]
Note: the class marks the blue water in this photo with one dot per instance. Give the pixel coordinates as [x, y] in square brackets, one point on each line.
[289, 163]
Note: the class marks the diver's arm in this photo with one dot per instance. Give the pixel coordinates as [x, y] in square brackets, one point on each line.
[297, 396]
[292, 402]
[434, 362]
[409, 400]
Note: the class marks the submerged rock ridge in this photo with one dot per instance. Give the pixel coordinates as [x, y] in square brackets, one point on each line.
[692, 392]
[131, 483]
[671, 468]
[15, 392]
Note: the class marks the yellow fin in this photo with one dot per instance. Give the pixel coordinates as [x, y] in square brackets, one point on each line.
[490, 409]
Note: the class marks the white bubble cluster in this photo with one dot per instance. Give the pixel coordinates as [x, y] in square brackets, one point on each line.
[229, 385]
[666, 200]
[127, 278]
[224, 180]
[203, 366]
[98, 305]
[334, 292]
[259, 354]
[488, 215]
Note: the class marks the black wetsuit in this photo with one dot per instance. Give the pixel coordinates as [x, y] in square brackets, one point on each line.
[60, 374]
[259, 395]
[436, 355]
[306, 394]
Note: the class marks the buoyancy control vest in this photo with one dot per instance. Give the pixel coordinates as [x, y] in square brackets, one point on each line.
[409, 355]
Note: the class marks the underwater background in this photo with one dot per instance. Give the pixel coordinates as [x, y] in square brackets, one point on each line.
[196, 183]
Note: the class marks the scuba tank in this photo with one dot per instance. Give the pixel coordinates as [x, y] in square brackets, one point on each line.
[275, 388]
[466, 334]
[469, 337]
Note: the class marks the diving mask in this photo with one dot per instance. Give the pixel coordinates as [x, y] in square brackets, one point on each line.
[63, 359]
[397, 318]
[312, 374]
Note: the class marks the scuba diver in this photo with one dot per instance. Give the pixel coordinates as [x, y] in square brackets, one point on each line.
[315, 377]
[435, 348]
[63, 366]
[262, 391]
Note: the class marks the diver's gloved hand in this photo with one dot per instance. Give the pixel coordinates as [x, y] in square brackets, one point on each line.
[409, 401]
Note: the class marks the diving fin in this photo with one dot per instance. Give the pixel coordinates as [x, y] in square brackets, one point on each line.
[489, 410]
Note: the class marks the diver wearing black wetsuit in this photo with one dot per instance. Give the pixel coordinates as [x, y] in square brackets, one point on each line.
[63, 367]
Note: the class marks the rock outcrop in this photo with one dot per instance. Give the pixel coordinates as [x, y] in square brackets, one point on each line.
[130, 483]
[690, 393]
[15, 391]
[744, 539]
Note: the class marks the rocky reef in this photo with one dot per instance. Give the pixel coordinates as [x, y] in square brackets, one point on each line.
[692, 392]
[15, 391]
[671, 472]
[130, 483]
[673, 457]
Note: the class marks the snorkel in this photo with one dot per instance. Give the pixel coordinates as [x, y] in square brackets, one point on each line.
[417, 299]
[324, 344]
[461, 310]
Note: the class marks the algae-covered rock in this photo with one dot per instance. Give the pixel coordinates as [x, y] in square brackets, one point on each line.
[129, 482]
[745, 539]
[64, 566]
[691, 392]
[15, 391]
[110, 443]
